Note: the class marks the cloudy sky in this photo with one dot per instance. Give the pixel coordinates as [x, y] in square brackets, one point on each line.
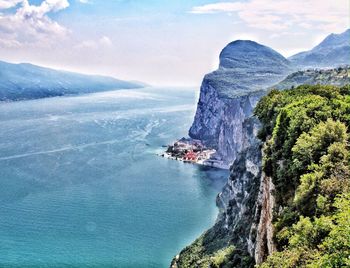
[162, 42]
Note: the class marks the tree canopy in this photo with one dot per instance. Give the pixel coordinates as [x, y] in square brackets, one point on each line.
[306, 131]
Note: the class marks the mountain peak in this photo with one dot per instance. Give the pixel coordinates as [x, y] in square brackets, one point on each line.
[333, 51]
[246, 54]
[246, 67]
[242, 43]
[333, 39]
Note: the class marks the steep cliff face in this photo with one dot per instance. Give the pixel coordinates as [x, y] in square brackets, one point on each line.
[260, 241]
[224, 120]
[229, 95]
[237, 201]
[237, 217]
[219, 125]
[243, 233]
[247, 201]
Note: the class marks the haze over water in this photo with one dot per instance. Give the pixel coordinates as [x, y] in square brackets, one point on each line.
[81, 184]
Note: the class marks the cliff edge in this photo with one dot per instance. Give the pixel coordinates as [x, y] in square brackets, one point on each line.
[243, 234]
[229, 95]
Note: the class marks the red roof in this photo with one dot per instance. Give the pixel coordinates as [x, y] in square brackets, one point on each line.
[190, 155]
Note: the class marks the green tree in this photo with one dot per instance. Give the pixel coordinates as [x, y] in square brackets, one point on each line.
[307, 155]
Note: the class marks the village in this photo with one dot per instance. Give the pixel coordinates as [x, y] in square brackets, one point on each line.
[189, 150]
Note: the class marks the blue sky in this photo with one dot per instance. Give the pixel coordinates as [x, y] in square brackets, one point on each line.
[173, 42]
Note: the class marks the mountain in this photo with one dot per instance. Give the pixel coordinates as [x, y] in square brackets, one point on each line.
[250, 55]
[245, 67]
[339, 77]
[228, 95]
[333, 51]
[27, 81]
[224, 121]
[244, 232]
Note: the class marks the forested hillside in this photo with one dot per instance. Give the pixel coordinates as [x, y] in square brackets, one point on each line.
[306, 153]
[337, 77]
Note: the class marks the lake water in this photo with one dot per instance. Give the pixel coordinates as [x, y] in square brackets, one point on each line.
[81, 184]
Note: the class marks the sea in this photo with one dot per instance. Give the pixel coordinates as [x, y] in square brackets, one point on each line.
[82, 183]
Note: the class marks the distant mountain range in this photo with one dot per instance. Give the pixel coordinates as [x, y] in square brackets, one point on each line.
[245, 66]
[27, 81]
[333, 51]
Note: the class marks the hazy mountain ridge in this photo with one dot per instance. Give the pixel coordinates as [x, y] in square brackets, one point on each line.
[28, 81]
[333, 51]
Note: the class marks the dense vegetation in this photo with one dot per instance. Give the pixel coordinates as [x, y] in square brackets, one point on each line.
[337, 77]
[213, 249]
[306, 131]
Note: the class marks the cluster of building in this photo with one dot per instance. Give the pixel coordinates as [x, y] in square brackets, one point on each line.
[189, 150]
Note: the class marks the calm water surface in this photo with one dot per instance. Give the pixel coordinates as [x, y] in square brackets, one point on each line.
[81, 184]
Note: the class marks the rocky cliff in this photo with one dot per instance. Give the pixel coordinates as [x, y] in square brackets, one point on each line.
[224, 120]
[243, 233]
[260, 239]
[231, 241]
[229, 95]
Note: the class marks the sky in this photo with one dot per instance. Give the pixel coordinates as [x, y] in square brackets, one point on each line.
[169, 42]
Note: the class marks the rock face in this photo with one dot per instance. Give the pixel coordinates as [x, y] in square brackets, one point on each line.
[247, 201]
[260, 242]
[237, 204]
[237, 201]
[225, 117]
[333, 51]
[224, 120]
[229, 95]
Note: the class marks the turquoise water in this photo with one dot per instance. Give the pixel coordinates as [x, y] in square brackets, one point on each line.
[81, 184]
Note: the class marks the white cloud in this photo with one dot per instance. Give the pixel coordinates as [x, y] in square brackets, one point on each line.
[280, 15]
[84, 1]
[218, 7]
[4, 4]
[103, 42]
[30, 25]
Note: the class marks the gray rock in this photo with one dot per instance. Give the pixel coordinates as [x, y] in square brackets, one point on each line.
[224, 121]
[229, 95]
